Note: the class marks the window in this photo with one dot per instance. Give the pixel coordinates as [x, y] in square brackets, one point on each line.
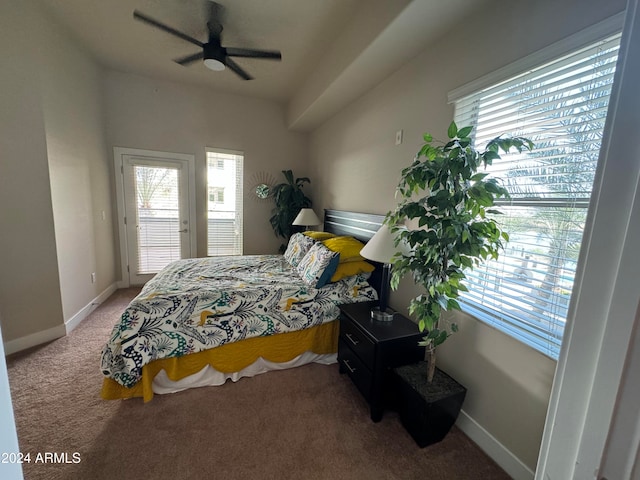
[216, 194]
[561, 106]
[224, 206]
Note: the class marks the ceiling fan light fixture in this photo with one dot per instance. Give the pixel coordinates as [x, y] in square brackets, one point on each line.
[213, 64]
[215, 56]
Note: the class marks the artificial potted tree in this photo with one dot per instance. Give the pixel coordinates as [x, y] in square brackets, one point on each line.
[449, 205]
[289, 199]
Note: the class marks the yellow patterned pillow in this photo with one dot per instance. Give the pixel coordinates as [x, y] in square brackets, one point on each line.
[349, 269]
[348, 248]
[318, 235]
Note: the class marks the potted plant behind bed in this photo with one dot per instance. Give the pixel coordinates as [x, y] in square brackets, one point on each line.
[448, 201]
[290, 199]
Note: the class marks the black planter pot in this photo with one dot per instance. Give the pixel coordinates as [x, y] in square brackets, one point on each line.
[427, 410]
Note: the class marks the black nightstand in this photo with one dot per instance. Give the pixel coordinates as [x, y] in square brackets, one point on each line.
[368, 350]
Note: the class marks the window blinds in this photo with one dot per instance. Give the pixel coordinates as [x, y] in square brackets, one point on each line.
[561, 106]
[224, 204]
[158, 217]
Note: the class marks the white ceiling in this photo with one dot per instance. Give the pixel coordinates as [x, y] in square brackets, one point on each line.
[319, 41]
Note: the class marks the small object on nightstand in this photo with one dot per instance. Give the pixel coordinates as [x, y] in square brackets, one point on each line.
[368, 350]
[380, 315]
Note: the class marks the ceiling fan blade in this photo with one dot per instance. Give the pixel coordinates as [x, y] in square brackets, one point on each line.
[143, 18]
[189, 58]
[236, 68]
[250, 53]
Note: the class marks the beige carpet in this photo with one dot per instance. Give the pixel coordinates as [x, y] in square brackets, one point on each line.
[304, 423]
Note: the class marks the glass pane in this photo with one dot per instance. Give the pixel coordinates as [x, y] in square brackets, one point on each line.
[532, 281]
[224, 206]
[158, 219]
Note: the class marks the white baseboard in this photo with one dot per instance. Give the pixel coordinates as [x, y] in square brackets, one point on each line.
[492, 447]
[84, 312]
[122, 284]
[28, 341]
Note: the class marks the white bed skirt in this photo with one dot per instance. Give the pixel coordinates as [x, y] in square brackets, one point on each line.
[209, 376]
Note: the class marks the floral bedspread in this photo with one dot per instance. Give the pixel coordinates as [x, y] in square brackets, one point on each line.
[201, 303]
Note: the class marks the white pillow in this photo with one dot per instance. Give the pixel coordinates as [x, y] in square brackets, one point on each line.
[298, 247]
[318, 265]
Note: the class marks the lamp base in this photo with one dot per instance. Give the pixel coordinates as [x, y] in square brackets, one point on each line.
[381, 316]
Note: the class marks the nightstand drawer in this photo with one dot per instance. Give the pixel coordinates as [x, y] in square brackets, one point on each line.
[356, 340]
[351, 364]
[369, 349]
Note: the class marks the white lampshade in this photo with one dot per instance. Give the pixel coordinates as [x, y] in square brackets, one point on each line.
[307, 217]
[382, 247]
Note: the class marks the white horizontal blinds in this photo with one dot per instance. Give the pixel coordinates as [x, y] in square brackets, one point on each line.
[224, 200]
[158, 217]
[561, 106]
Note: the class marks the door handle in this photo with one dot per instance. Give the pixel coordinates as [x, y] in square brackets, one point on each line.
[183, 230]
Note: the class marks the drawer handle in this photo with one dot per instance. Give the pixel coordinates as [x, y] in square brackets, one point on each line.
[354, 342]
[346, 364]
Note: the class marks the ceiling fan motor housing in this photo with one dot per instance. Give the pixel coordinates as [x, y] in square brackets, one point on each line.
[214, 51]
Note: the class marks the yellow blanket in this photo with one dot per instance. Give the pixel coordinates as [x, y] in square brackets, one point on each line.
[231, 357]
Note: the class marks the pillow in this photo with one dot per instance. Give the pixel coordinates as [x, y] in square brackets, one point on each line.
[348, 269]
[298, 247]
[319, 235]
[348, 248]
[318, 265]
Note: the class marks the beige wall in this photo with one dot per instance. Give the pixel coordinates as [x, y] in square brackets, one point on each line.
[357, 164]
[54, 176]
[163, 116]
[29, 284]
[79, 169]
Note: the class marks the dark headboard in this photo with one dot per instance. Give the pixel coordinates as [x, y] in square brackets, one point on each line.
[358, 225]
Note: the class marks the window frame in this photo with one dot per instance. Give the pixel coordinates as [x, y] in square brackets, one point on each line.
[507, 74]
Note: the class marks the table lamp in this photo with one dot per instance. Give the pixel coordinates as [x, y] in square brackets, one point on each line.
[307, 218]
[381, 248]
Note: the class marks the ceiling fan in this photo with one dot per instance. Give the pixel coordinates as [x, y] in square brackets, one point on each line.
[215, 56]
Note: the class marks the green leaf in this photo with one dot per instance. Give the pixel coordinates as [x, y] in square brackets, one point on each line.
[453, 130]
[478, 176]
[427, 137]
[464, 132]
[442, 301]
[453, 304]
[489, 156]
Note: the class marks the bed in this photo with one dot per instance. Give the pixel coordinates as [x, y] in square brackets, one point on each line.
[203, 321]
